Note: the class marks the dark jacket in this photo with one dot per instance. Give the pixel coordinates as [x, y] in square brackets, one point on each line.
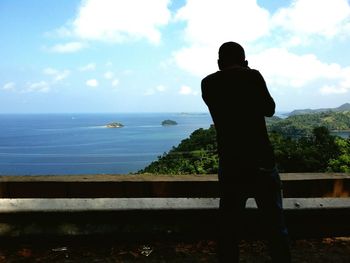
[238, 101]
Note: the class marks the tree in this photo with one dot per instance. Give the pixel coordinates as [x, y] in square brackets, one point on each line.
[342, 162]
[317, 152]
[306, 154]
[194, 155]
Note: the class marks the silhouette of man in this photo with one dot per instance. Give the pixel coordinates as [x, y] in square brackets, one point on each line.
[238, 101]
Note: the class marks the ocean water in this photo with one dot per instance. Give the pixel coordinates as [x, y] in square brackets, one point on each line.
[56, 144]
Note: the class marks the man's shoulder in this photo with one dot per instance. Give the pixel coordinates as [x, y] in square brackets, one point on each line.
[210, 76]
[233, 69]
[255, 71]
[242, 70]
[248, 70]
[250, 73]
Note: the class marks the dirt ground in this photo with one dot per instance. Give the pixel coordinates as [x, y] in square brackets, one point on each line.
[327, 250]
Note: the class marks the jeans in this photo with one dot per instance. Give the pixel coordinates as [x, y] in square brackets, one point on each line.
[265, 188]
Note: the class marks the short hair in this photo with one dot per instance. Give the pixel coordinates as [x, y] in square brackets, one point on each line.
[231, 52]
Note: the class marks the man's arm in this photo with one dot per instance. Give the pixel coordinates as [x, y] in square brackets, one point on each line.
[204, 91]
[267, 104]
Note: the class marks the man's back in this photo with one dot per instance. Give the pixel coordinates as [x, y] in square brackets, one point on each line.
[238, 100]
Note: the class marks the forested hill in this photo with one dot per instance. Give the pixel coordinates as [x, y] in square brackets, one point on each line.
[194, 155]
[302, 125]
[341, 108]
[302, 143]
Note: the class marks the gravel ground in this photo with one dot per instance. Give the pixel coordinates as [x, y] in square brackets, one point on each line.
[325, 250]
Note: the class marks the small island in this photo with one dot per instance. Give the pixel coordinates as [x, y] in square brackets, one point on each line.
[168, 122]
[114, 125]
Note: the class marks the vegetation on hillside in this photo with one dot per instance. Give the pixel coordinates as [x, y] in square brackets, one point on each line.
[194, 155]
[168, 122]
[302, 125]
[341, 108]
[302, 143]
[320, 152]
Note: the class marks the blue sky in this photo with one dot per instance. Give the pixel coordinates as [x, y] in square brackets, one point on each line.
[150, 56]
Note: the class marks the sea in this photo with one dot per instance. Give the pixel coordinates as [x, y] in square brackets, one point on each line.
[72, 144]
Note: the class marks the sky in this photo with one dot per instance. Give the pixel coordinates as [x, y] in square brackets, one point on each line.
[95, 56]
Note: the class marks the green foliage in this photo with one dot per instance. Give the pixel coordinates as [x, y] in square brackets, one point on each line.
[194, 155]
[342, 162]
[169, 122]
[305, 154]
[302, 125]
[302, 143]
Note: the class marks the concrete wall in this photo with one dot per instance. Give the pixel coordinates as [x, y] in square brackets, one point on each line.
[112, 186]
[145, 206]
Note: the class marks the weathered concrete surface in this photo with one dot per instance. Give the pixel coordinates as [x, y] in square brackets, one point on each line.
[113, 186]
[18, 205]
[166, 206]
[104, 204]
[137, 218]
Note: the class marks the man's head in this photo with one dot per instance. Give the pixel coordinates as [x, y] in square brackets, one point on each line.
[231, 54]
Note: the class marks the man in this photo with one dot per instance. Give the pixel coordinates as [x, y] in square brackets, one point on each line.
[238, 101]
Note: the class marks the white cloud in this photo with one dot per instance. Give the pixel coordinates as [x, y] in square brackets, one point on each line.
[157, 89]
[342, 86]
[41, 86]
[118, 21]
[92, 83]
[327, 90]
[302, 22]
[115, 82]
[160, 88]
[326, 18]
[30, 87]
[217, 21]
[254, 27]
[149, 92]
[108, 75]
[88, 67]
[346, 75]
[127, 72]
[197, 60]
[211, 22]
[57, 75]
[67, 47]
[9, 86]
[61, 32]
[284, 69]
[186, 90]
[50, 71]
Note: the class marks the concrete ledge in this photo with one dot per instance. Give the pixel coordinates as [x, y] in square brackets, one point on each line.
[118, 186]
[163, 218]
[137, 206]
[19, 205]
